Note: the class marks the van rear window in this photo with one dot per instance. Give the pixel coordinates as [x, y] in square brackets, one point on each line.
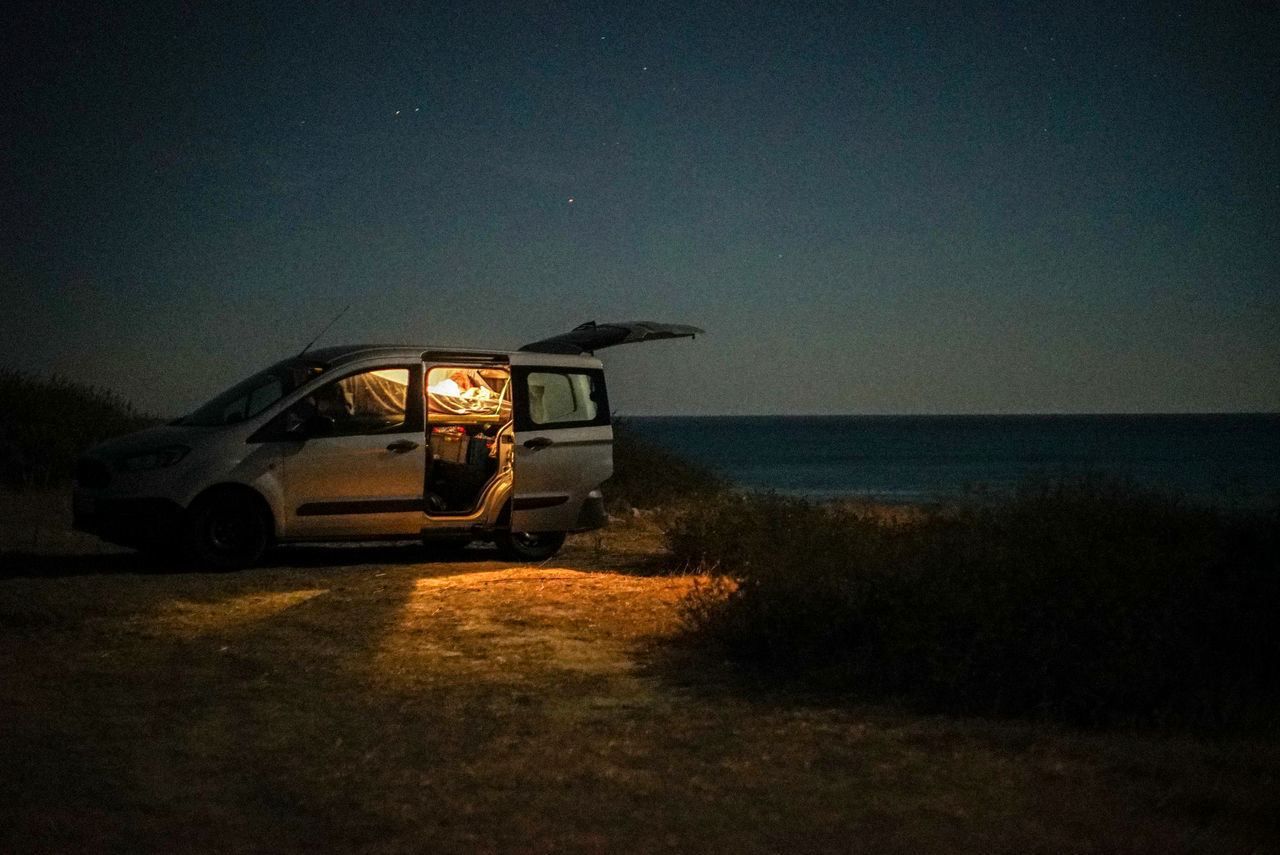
[561, 398]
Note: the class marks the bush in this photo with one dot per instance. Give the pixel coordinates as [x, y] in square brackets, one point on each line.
[1086, 601]
[646, 475]
[47, 423]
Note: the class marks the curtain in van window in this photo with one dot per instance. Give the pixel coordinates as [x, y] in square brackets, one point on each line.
[556, 398]
[379, 393]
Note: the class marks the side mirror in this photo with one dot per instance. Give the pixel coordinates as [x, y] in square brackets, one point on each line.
[293, 425]
[290, 426]
[296, 424]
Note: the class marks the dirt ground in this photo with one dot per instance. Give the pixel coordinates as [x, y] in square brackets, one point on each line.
[381, 699]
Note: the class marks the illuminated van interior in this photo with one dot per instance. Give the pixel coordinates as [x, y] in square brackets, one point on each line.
[468, 413]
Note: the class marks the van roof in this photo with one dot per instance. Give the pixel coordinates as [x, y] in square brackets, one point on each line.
[338, 355]
[342, 353]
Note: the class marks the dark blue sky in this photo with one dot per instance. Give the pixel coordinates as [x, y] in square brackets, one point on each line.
[878, 207]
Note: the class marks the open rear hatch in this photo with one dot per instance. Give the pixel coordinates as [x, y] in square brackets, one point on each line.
[590, 337]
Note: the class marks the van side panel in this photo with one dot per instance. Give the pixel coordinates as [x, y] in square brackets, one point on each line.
[553, 481]
[563, 443]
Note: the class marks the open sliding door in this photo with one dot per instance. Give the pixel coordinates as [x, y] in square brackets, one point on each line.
[468, 438]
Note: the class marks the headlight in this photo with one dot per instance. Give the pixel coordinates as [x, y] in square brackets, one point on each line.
[155, 459]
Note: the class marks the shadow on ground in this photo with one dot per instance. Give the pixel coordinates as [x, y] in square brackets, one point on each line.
[20, 564]
[27, 564]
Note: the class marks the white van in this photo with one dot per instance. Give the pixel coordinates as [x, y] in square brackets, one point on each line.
[373, 442]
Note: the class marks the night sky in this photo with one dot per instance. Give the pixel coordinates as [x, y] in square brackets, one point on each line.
[870, 207]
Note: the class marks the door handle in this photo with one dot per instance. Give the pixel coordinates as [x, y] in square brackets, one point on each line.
[400, 446]
[538, 442]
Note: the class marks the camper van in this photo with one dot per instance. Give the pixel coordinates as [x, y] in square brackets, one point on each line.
[373, 442]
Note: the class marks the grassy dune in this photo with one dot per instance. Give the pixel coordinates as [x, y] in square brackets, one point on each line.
[46, 423]
[1088, 602]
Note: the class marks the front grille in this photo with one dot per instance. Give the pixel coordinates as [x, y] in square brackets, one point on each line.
[92, 473]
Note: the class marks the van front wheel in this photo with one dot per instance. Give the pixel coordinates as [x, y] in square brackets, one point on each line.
[226, 532]
[529, 545]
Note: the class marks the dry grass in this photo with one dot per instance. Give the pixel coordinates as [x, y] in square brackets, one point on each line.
[370, 700]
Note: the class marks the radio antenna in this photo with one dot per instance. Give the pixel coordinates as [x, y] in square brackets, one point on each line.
[326, 329]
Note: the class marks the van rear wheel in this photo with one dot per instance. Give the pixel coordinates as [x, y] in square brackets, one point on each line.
[226, 532]
[529, 545]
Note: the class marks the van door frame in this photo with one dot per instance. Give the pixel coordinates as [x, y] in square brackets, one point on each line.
[495, 495]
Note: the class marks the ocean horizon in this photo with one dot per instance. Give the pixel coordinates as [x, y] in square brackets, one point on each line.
[1224, 459]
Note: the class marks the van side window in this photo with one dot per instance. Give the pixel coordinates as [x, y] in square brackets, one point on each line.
[247, 405]
[264, 396]
[369, 402]
[564, 398]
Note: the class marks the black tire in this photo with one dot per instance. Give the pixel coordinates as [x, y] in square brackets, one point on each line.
[528, 545]
[226, 532]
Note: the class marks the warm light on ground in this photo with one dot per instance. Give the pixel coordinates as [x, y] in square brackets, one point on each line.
[518, 624]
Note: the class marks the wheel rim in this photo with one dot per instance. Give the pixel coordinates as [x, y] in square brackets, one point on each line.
[531, 546]
[231, 533]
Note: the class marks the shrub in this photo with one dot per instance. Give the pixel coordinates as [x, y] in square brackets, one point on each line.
[47, 423]
[1087, 601]
[646, 475]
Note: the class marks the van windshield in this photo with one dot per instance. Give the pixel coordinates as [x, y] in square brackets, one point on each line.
[250, 397]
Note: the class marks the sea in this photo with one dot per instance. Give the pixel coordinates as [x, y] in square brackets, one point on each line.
[1225, 460]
